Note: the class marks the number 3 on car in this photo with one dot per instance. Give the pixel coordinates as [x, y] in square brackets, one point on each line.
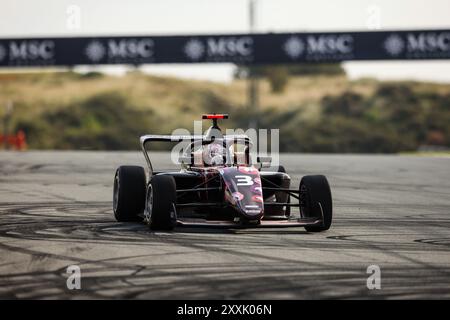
[244, 181]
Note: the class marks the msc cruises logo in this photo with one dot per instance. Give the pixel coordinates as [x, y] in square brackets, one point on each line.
[194, 49]
[319, 47]
[294, 47]
[120, 49]
[219, 48]
[394, 45]
[419, 45]
[26, 51]
[330, 44]
[95, 51]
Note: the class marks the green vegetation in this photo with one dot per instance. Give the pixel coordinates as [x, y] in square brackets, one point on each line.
[315, 113]
[395, 118]
[98, 122]
[278, 75]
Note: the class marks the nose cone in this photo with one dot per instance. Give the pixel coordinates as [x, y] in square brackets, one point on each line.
[244, 191]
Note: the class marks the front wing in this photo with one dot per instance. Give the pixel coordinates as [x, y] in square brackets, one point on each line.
[301, 222]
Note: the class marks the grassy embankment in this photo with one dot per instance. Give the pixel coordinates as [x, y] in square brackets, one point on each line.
[315, 113]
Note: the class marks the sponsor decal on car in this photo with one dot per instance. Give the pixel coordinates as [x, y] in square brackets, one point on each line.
[253, 211]
[248, 170]
[237, 196]
[257, 198]
[256, 189]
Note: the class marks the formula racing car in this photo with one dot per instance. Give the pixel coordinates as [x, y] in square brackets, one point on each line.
[218, 185]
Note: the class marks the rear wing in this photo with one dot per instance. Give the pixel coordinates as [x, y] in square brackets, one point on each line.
[144, 140]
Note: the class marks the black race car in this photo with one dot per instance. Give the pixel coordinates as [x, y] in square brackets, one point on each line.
[218, 185]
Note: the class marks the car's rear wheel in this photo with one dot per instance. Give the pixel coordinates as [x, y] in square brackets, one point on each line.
[161, 199]
[316, 201]
[129, 193]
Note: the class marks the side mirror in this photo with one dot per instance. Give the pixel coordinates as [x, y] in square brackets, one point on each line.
[264, 161]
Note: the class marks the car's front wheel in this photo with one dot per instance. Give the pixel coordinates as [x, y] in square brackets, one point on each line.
[315, 198]
[129, 193]
[160, 203]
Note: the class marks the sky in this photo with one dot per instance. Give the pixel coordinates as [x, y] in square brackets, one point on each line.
[28, 18]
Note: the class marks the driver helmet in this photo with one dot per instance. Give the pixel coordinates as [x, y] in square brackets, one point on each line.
[213, 154]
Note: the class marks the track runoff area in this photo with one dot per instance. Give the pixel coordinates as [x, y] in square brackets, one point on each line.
[389, 239]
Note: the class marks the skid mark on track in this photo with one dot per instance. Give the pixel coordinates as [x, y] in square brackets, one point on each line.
[388, 211]
[256, 271]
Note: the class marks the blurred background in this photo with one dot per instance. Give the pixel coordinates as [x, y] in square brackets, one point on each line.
[350, 107]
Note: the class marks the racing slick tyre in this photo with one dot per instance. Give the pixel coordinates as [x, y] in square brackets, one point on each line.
[315, 198]
[161, 199]
[129, 193]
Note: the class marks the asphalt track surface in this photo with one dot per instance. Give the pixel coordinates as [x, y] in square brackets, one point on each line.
[390, 211]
